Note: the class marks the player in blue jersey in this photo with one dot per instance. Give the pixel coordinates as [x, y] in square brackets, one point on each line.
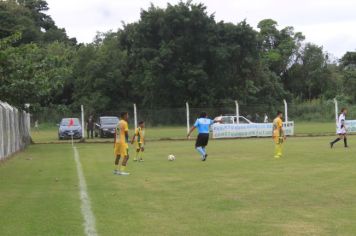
[203, 124]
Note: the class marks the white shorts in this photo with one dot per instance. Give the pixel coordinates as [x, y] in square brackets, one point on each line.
[341, 131]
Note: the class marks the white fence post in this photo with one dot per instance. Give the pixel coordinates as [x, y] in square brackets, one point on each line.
[83, 124]
[336, 110]
[285, 110]
[135, 115]
[188, 123]
[2, 135]
[237, 112]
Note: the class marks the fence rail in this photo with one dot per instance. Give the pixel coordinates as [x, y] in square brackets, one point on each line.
[14, 130]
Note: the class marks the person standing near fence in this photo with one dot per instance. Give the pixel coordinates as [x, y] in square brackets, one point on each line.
[90, 126]
[37, 129]
[203, 124]
[121, 147]
[341, 129]
[265, 120]
[278, 135]
[139, 140]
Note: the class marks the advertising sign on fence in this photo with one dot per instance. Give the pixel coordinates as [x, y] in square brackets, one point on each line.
[249, 130]
[350, 126]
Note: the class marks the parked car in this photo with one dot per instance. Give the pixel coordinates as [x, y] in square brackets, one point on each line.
[69, 127]
[105, 127]
[230, 119]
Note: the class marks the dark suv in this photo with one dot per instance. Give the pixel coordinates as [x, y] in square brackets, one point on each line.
[105, 127]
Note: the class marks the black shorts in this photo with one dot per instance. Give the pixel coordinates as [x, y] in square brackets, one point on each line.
[202, 140]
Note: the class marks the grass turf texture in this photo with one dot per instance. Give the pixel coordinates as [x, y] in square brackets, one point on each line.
[240, 190]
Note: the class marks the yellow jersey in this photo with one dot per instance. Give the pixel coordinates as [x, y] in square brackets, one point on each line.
[140, 135]
[277, 127]
[120, 130]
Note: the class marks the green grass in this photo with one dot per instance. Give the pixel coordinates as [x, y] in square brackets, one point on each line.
[240, 190]
[48, 133]
[314, 128]
[39, 193]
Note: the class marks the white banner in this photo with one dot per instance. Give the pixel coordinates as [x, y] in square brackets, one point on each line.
[250, 130]
[350, 126]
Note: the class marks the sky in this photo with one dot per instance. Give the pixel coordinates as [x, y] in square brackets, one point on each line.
[327, 23]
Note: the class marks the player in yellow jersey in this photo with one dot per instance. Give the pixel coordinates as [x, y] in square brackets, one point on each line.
[278, 135]
[139, 140]
[121, 147]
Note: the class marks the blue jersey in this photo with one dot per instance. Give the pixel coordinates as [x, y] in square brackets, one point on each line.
[203, 124]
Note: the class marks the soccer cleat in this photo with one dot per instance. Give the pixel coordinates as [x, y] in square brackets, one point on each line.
[124, 173]
[135, 159]
[116, 172]
[141, 160]
[331, 145]
[277, 157]
[204, 158]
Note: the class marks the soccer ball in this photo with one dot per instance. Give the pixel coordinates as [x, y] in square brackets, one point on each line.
[171, 157]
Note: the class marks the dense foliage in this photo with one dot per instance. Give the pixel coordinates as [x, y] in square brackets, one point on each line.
[170, 56]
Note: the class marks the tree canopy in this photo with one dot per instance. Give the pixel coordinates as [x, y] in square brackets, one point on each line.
[169, 56]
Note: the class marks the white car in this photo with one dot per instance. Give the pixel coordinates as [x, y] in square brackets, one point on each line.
[232, 120]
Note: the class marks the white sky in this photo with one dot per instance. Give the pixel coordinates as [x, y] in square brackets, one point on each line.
[327, 23]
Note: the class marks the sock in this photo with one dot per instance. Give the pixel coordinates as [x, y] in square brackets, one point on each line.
[122, 168]
[345, 141]
[117, 159]
[137, 154]
[201, 151]
[279, 149]
[204, 150]
[336, 140]
[141, 155]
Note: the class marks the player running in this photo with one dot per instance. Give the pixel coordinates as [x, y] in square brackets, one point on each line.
[121, 144]
[139, 140]
[202, 124]
[341, 128]
[278, 135]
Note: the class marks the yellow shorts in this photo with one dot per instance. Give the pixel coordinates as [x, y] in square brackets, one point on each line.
[121, 149]
[278, 139]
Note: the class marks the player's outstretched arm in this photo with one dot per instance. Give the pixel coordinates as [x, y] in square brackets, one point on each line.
[190, 131]
[283, 134]
[133, 139]
[127, 136]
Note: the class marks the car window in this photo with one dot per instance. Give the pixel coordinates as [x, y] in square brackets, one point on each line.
[109, 120]
[65, 122]
[243, 120]
[227, 120]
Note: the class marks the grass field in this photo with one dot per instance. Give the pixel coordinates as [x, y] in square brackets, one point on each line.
[240, 190]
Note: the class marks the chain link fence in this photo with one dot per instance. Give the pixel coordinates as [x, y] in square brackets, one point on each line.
[14, 130]
[313, 111]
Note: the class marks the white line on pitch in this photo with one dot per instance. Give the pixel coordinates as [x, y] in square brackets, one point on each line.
[89, 218]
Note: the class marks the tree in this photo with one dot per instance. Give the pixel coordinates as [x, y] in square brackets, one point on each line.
[310, 77]
[348, 70]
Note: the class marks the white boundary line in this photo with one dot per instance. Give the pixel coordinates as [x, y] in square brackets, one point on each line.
[89, 218]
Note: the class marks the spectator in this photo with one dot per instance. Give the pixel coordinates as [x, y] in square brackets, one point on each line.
[265, 119]
[257, 118]
[90, 126]
[37, 129]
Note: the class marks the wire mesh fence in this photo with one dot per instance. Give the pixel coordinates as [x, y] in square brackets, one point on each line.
[314, 111]
[14, 130]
